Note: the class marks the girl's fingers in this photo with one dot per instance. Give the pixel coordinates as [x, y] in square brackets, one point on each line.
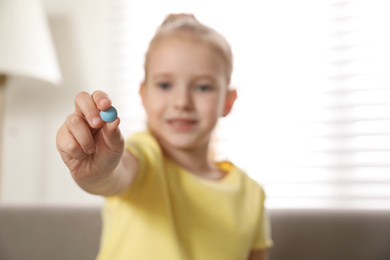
[67, 146]
[74, 138]
[71, 149]
[101, 99]
[87, 108]
[81, 133]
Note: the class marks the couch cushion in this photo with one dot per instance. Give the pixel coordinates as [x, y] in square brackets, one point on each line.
[59, 232]
[330, 234]
[49, 232]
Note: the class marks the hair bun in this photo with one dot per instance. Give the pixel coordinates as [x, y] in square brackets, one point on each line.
[179, 18]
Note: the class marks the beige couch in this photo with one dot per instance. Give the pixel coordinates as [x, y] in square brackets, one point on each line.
[72, 233]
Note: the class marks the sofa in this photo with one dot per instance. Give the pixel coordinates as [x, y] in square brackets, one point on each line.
[72, 232]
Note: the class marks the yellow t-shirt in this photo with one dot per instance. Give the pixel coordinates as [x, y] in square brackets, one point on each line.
[170, 213]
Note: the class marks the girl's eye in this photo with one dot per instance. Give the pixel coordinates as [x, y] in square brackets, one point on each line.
[203, 88]
[164, 85]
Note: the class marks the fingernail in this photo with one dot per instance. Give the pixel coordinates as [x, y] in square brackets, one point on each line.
[96, 121]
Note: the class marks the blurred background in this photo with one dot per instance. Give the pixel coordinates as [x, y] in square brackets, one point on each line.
[311, 124]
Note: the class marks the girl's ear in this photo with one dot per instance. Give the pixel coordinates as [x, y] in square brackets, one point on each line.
[142, 91]
[231, 97]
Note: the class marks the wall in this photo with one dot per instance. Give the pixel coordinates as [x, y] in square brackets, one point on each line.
[32, 168]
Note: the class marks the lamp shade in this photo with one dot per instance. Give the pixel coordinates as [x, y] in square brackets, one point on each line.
[26, 46]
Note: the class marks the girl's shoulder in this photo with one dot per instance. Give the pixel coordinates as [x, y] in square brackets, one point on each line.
[141, 143]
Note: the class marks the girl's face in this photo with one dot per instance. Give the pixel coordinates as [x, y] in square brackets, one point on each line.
[185, 92]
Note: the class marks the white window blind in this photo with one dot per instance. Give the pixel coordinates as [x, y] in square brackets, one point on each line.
[312, 122]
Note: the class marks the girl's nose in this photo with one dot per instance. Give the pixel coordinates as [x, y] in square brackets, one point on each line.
[182, 99]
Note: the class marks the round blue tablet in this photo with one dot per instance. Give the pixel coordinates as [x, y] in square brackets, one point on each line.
[109, 115]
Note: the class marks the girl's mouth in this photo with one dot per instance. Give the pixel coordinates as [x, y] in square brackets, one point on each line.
[180, 124]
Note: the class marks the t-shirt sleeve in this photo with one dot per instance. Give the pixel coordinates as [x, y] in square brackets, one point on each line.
[263, 238]
[146, 150]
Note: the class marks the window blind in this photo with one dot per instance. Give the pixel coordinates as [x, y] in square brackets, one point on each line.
[312, 121]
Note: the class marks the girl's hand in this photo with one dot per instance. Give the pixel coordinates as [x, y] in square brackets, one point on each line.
[90, 148]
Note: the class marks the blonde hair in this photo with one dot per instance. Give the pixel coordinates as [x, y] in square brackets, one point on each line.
[187, 24]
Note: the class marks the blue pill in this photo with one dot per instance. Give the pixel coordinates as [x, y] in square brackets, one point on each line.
[109, 115]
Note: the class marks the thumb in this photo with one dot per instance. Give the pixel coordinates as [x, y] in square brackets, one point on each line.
[112, 136]
[110, 146]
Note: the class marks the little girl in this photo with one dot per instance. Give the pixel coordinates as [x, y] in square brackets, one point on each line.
[165, 196]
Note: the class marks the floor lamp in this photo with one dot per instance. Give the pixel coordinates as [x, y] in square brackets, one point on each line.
[26, 50]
